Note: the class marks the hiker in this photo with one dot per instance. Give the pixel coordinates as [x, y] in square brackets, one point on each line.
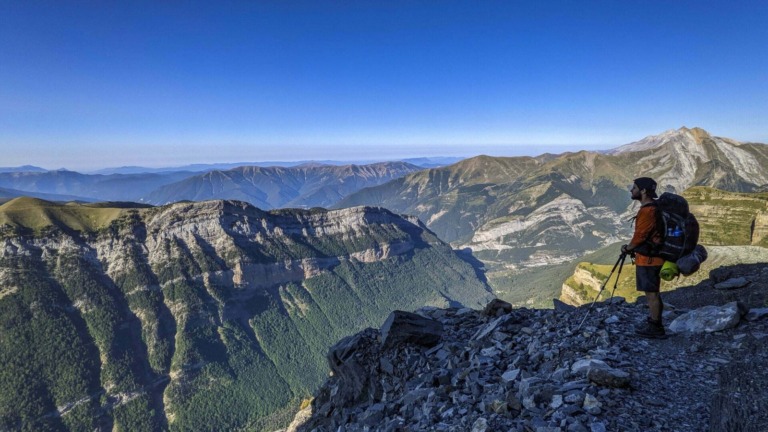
[648, 268]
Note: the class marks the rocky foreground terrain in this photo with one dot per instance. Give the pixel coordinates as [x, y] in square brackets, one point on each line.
[505, 369]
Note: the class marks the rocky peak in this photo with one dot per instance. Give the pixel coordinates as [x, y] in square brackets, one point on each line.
[683, 137]
[698, 133]
[565, 369]
[680, 158]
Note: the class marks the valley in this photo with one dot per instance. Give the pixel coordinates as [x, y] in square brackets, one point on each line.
[213, 314]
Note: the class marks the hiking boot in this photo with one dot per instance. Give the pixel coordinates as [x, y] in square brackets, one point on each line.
[651, 329]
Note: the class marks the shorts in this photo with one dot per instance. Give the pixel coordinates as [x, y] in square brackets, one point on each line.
[648, 278]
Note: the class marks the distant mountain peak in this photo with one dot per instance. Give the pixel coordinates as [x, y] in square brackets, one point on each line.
[683, 135]
[695, 129]
[697, 133]
[24, 168]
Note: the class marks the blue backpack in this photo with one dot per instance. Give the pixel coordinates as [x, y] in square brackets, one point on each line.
[678, 227]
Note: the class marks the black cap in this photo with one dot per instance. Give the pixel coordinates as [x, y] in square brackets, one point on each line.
[648, 184]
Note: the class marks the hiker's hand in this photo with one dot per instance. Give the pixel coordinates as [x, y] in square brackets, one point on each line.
[625, 250]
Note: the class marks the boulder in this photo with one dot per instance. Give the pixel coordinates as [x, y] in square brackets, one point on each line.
[708, 319]
[480, 425]
[585, 365]
[497, 307]
[609, 377]
[732, 283]
[490, 327]
[534, 391]
[755, 314]
[406, 327]
[722, 274]
[562, 307]
[350, 360]
[510, 375]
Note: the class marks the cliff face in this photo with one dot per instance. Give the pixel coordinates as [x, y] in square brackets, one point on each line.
[729, 218]
[208, 315]
[760, 229]
[581, 286]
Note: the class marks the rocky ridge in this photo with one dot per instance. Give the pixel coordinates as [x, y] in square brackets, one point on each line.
[565, 369]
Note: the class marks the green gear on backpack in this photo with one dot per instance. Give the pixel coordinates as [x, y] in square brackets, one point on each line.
[669, 271]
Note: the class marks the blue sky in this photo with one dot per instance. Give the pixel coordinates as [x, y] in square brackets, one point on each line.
[88, 84]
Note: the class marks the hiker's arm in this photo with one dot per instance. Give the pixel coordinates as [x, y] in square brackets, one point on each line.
[645, 225]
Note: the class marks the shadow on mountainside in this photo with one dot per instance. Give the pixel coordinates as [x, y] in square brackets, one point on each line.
[477, 265]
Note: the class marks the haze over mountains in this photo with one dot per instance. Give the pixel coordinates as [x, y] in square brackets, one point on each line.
[278, 187]
[307, 185]
[423, 162]
[87, 187]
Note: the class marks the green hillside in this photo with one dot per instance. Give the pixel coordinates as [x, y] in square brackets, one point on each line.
[197, 316]
[37, 215]
[484, 191]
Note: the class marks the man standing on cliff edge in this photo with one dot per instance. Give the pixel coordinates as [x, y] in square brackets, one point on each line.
[648, 268]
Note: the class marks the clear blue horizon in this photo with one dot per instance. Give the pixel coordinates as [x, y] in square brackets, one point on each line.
[88, 85]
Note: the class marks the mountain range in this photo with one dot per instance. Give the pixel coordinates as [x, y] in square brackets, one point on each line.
[515, 214]
[197, 316]
[216, 314]
[423, 162]
[307, 185]
[518, 214]
[88, 187]
[278, 187]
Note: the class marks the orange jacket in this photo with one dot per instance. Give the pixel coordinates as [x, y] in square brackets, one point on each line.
[645, 229]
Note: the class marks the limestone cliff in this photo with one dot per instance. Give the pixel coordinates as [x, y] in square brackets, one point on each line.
[760, 229]
[211, 315]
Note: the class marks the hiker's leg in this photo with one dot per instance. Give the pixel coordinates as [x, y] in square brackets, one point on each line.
[655, 305]
[649, 282]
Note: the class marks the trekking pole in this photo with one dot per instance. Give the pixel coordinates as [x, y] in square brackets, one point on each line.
[621, 259]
